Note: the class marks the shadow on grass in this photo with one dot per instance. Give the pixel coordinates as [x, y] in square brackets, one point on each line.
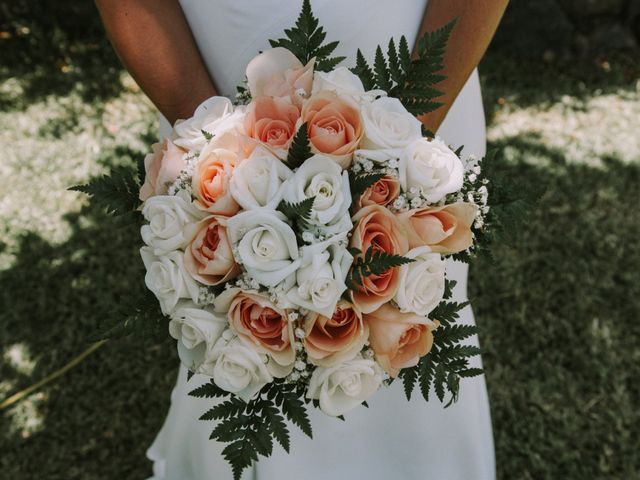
[524, 81]
[559, 307]
[53, 47]
[97, 420]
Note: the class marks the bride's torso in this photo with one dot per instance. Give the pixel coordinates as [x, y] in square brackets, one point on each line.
[231, 32]
[412, 440]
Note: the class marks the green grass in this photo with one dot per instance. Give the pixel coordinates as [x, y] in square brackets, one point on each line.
[559, 307]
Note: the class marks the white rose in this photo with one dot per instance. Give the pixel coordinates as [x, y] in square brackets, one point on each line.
[421, 285]
[387, 124]
[239, 369]
[343, 82]
[322, 178]
[431, 167]
[196, 329]
[167, 278]
[172, 220]
[320, 281]
[215, 116]
[259, 181]
[345, 386]
[266, 245]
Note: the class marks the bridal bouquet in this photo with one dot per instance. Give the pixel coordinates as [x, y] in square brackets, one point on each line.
[296, 241]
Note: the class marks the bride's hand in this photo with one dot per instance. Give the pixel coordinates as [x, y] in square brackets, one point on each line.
[154, 41]
[477, 22]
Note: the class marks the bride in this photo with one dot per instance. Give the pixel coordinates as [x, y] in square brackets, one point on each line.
[182, 52]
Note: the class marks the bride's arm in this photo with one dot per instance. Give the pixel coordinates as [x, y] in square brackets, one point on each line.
[154, 41]
[477, 22]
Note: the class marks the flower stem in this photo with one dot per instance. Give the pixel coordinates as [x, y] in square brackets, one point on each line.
[15, 398]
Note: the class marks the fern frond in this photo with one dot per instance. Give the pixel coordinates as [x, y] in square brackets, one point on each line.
[300, 148]
[364, 72]
[305, 39]
[117, 193]
[358, 183]
[373, 262]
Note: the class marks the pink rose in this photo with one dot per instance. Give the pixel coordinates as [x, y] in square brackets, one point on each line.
[272, 121]
[334, 125]
[265, 328]
[399, 339]
[209, 258]
[383, 192]
[445, 229]
[278, 73]
[210, 181]
[377, 227]
[162, 168]
[329, 341]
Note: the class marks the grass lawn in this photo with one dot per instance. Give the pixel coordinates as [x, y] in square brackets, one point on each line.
[559, 307]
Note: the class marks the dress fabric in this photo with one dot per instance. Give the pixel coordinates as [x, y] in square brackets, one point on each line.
[393, 438]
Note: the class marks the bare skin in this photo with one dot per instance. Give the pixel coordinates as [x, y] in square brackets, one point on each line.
[476, 25]
[155, 44]
[154, 41]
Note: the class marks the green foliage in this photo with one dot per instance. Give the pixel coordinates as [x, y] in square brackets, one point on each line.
[305, 41]
[448, 360]
[511, 200]
[208, 390]
[207, 135]
[363, 70]
[298, 213]
[139, 316]
[410, 80]
[373, 262]
[117, 192]
[359, 183]
[249, 428]
[300, 149]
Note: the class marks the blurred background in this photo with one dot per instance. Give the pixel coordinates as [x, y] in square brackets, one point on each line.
[559, 307]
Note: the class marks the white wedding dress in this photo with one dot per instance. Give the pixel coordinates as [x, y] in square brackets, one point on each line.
[393, 438]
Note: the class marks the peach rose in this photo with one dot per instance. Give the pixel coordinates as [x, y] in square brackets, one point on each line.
[162, 168]
[383, 192]
[265, 328]
[399, 339]
[376, 226]
[278, 73]
[329, 341]
[208, 258]
[272, 121]
[445, 229]
[334, 125]
[210, 181]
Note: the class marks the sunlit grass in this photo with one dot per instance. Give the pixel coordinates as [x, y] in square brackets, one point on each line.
[585, 130]
[558, 307]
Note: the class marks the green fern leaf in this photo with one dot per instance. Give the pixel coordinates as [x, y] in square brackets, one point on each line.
[279, 430]
[208, 390]
[395, 69]
[404, 53]
[229, 409]
[296, 411]
[299, 213]
[364, 72]
[373, 262]
[409, 377]
[425, 375]
[117, 192]
[358, 183]
[300, 149]
[305, 39]
[381, 70]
